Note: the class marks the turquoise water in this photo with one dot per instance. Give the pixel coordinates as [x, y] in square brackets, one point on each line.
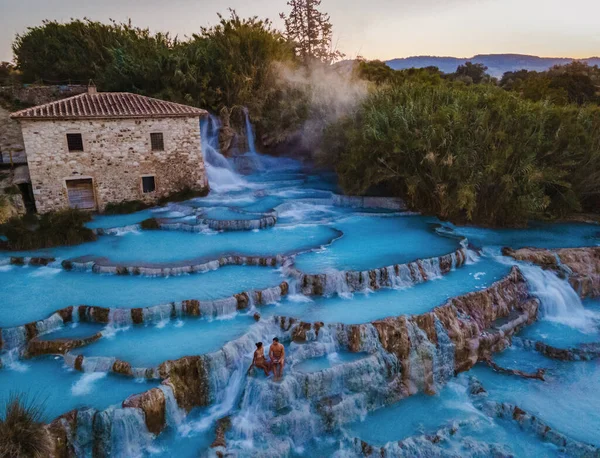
[561, 335]
[283, 417]
[366, 307]
[371, 242]
[61, 389]
[33, 293]
[109, 221]
[172, 246]
[568, 400]
[540, 235]
[77, 330]
[422, 414]
[148, 346]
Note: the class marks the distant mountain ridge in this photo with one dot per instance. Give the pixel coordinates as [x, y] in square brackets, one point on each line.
[497, 64]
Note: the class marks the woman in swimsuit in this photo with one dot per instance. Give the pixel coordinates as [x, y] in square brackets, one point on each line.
[259, 359]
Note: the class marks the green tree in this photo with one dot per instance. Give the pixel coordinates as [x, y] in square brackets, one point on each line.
[471, 73]
[311, 31]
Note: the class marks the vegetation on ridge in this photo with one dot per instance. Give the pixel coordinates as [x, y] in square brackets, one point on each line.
[461, 145]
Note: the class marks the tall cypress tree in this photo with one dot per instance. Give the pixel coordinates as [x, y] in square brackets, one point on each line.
[311, 31]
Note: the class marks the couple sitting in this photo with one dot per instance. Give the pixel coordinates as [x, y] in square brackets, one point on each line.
[276, 356]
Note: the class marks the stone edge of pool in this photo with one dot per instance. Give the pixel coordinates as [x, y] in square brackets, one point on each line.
[310, 284]
[467, 321]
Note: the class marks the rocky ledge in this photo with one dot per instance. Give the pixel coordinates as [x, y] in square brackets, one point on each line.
[584, 352]
[465, 330]
[398, 275]
[260, 222]
[408, 354]
[103, 266]
[19, 336]
[580, 265]
[529, 422]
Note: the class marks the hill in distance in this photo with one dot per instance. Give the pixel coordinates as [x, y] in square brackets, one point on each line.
[497, 64]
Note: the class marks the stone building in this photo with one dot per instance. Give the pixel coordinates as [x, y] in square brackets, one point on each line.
[100, 147]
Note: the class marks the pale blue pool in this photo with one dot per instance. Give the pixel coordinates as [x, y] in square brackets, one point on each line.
[372, 241]
[148, 346]
[33, 293]
[61, 389]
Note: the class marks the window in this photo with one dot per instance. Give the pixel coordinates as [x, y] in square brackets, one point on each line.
[75, 142]
[148, 184]
[157, 142]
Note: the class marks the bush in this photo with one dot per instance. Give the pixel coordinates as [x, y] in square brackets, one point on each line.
[470, 153]
[65, 227]
[22, 432]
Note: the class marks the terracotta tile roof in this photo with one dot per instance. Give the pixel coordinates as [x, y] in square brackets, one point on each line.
[102, 105]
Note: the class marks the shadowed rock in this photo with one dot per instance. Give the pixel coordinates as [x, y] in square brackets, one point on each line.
[153, 404]
[580, 265]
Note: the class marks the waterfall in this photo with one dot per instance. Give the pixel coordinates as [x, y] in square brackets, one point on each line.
[559, 301]
[255, 159]
[129, 435]
[175, 414]
[249, 133]
[221, 176]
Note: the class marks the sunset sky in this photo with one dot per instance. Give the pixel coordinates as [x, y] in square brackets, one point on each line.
[375, 29]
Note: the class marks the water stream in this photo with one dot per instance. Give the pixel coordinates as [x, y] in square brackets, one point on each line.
[337, 262]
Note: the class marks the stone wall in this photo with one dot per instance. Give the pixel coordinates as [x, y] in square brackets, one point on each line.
[117, 153]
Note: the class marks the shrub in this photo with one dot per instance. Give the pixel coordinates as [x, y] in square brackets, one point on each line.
[65, 227]
[22, 432]
[470, 153]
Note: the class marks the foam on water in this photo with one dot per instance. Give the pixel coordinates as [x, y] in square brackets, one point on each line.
[86, 383]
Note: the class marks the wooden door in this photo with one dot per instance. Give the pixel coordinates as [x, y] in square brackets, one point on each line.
[81, 194]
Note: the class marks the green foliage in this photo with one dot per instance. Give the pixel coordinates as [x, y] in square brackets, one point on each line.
[22, 431]
[231, 63]
[471, 73]
[576, 83]
[150, 224]
[470, 153]
[65, 227]
[311, 32]
[8, 74]
[379, 73]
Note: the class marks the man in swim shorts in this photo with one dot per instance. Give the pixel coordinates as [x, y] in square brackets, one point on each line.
[277, 356]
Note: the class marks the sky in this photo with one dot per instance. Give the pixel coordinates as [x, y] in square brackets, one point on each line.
[374, 29]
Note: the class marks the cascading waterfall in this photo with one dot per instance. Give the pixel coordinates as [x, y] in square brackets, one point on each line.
[256, 161]
[221, 175]
[559, 301]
